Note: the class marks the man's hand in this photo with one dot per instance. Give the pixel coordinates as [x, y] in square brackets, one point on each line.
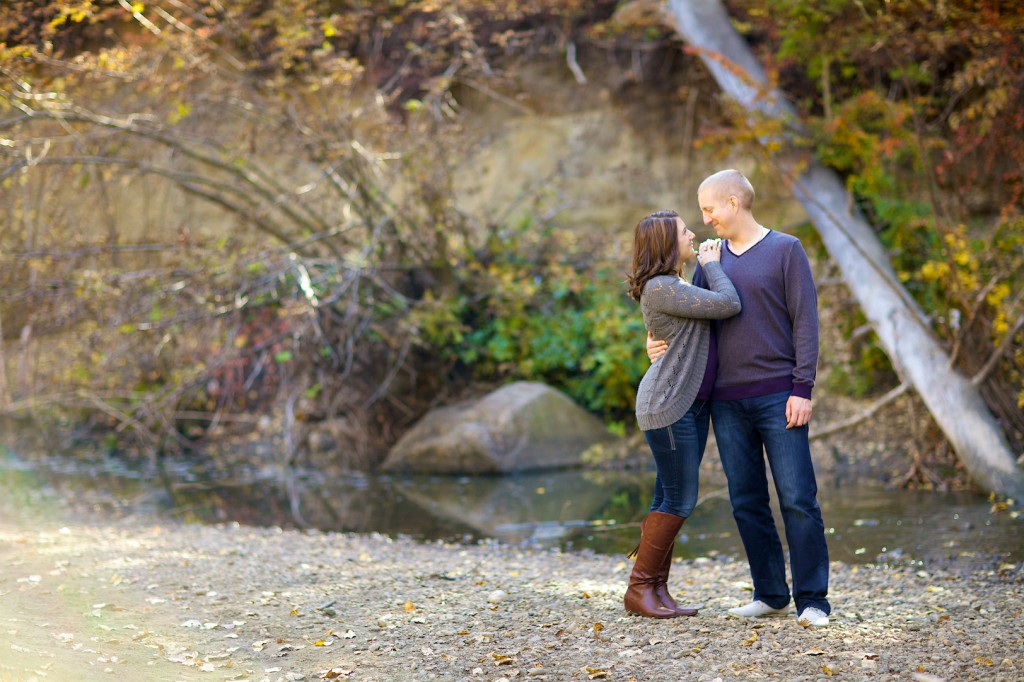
[798, 410]
[655, 349]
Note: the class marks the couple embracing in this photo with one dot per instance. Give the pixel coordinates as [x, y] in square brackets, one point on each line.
[737, 347]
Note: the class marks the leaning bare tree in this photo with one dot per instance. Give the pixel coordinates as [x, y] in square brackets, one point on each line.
[953, 400]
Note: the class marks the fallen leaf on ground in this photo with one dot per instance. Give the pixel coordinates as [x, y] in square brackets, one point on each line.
[501, 659]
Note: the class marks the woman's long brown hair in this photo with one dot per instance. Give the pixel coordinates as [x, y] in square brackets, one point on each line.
[655, 250]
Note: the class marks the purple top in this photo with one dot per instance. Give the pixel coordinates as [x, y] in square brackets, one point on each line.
[772, 345]
[710, 371]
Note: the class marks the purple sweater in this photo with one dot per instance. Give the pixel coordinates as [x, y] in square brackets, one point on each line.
[772, 345]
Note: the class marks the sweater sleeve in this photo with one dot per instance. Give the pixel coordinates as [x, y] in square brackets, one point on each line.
[802, 302]
[672, 296]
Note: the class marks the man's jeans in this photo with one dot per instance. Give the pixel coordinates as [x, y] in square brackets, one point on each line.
[742, 428]
[678, 450]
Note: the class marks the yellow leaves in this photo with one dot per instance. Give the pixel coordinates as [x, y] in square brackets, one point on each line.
[933, 271]
[138, 7]
[328, 638]
[501, 659]
[827, 670]
[409, 607]
[77, 13]
[595, 673]
[984, 660]
[180, 112]
[749, 641]
[598, 627]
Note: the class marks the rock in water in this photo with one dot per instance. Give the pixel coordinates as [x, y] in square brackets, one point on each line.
[519, 427]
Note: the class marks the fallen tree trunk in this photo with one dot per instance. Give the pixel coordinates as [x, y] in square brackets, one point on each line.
[952, 399]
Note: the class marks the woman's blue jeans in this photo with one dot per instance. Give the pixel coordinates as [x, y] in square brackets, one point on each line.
[678, 450]
[746, 430]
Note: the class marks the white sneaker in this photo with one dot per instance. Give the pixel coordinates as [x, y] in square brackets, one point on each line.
[755, 609]
[812, 617]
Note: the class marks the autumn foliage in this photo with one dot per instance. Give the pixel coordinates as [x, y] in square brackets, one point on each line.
[343, 284]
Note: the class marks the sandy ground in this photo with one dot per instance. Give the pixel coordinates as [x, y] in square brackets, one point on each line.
[144, 599]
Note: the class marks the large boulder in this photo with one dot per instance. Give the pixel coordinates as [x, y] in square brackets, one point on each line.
[519, 427]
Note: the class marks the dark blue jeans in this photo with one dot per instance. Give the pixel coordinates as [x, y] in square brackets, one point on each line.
[746, 430]
[678, 450]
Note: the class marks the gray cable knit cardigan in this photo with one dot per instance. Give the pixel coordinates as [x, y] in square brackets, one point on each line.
[679, 313]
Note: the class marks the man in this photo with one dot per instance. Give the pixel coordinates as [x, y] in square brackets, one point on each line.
[761, 405]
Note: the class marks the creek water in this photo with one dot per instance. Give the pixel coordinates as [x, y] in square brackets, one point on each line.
[582, 510]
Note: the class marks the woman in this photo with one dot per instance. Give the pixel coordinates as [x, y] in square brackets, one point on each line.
[672, 400]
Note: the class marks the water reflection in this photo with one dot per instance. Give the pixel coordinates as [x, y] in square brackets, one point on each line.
[568, 509]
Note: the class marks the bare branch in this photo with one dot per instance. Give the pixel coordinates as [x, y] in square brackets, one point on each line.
[1004, 345]
[263, 186]
[972, 315]
[570, 59]
[861, 416]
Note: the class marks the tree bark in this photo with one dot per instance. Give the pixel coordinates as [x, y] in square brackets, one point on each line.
[952, 399]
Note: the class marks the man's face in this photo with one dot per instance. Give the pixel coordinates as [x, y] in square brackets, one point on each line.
[714, 209]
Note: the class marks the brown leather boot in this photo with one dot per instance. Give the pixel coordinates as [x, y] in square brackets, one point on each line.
[658, 534]
[661, 588]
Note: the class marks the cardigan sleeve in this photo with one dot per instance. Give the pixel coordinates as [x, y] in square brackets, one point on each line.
[673, 296]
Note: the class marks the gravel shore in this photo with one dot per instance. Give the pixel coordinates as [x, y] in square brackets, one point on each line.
[137, 599]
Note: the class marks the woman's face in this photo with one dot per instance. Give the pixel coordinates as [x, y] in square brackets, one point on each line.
[686, 238]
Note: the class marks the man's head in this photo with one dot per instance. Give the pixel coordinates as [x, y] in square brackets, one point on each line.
[726, 198]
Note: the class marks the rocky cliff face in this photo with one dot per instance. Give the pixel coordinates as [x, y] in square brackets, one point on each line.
[597, 157]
